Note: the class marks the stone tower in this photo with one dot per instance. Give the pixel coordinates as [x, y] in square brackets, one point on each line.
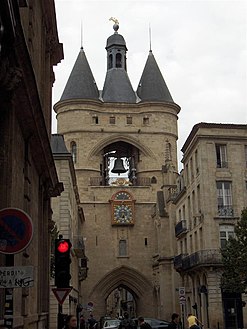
[123, 144]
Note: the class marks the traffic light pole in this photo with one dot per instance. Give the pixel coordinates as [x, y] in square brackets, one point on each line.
[60, 319]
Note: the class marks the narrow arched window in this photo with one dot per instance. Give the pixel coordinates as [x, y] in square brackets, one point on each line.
[110, 62]
[153, 180]
[73, 150]
[118, 60]
[122, 248]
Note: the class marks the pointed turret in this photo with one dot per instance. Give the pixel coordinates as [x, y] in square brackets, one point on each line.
[81, 83]
[117, 86]
[152, 86]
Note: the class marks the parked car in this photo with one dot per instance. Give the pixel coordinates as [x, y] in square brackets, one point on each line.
[111, 324]
[154, 323]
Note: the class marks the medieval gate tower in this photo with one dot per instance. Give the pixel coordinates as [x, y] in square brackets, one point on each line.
[123, 144]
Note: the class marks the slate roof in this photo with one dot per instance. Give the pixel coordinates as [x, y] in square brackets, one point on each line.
[115, 40]
[152, 86]
[117, 87]
[81, 83]
[58, 145]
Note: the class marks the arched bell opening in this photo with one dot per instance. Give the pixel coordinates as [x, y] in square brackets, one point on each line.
[120, 160]
[119, 301]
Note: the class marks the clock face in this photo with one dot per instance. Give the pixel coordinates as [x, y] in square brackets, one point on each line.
[123, 214]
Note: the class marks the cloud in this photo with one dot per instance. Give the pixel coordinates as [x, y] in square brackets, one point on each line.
[200, 47]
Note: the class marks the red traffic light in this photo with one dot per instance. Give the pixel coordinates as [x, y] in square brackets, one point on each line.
[63, 246]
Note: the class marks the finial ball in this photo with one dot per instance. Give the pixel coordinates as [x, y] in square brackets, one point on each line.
[115, 27]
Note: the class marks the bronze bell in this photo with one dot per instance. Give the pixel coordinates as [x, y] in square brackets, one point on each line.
[118, 167]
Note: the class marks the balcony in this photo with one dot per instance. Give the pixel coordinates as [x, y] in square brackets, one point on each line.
[140, 181]
[225, 211]
[83, 269]
[178, 261]
[222, 164]
[209, 257]
[78, 246]
[181, 228]
[174, 194]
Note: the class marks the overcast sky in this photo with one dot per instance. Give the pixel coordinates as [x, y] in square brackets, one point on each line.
[200, 47]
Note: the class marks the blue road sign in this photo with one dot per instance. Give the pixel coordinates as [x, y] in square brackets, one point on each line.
[16, 230]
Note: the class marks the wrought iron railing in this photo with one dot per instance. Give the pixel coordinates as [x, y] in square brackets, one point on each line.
[96, 181]
[78, 246]
[99, 181]
[222, 164]
[225, 211]
[209, 257]
[174, 193]
[181, 227]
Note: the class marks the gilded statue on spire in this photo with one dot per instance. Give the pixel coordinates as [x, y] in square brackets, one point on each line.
[114, 20]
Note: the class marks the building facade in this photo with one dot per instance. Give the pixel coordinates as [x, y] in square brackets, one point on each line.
[124, 148]
[209, 199]
[153, 236]
[69, 218]
[29, 48]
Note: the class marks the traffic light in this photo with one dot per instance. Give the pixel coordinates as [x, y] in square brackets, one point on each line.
[62, 263]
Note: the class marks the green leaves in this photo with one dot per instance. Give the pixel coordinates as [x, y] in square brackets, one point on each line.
[234, 258]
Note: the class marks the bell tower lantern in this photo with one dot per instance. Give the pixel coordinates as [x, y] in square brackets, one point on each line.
[116, 49]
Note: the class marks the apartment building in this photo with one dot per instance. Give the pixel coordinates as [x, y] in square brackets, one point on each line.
[210, 195]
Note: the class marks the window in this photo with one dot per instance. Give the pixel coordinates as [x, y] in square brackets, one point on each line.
[224, 196]
[122, 248]
[192, 168]
[129, 120]
[196, 162]
[118, 60]
[73, 150]
[146, 120]
[112, 120]
[226, 231]
[221, 156]
[110, 62]
[95, 119]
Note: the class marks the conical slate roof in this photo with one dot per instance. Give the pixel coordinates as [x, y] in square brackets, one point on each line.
[81, 83]
[117, 87]
[152, 86]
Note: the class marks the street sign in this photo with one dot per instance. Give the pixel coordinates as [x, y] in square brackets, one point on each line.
[16, 230]
[181, 291]
[182, 300]
[16, 276]
[61, 294]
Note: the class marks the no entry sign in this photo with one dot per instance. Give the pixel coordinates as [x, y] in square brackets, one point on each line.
[16, 230]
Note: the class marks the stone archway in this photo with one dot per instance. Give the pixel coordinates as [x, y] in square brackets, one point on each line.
[134, 281]
[113, 139]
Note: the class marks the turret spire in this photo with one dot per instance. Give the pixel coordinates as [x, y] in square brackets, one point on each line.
[81, 83]
[117, 86]
[152, 86]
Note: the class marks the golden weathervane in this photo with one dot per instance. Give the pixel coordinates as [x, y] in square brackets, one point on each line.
[114, 20]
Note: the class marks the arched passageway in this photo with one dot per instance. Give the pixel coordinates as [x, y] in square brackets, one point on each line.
[130, 280]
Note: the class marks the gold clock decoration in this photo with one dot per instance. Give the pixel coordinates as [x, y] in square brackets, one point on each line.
[122, 205]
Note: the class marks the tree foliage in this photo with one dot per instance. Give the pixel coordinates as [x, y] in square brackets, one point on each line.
[234, 257]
